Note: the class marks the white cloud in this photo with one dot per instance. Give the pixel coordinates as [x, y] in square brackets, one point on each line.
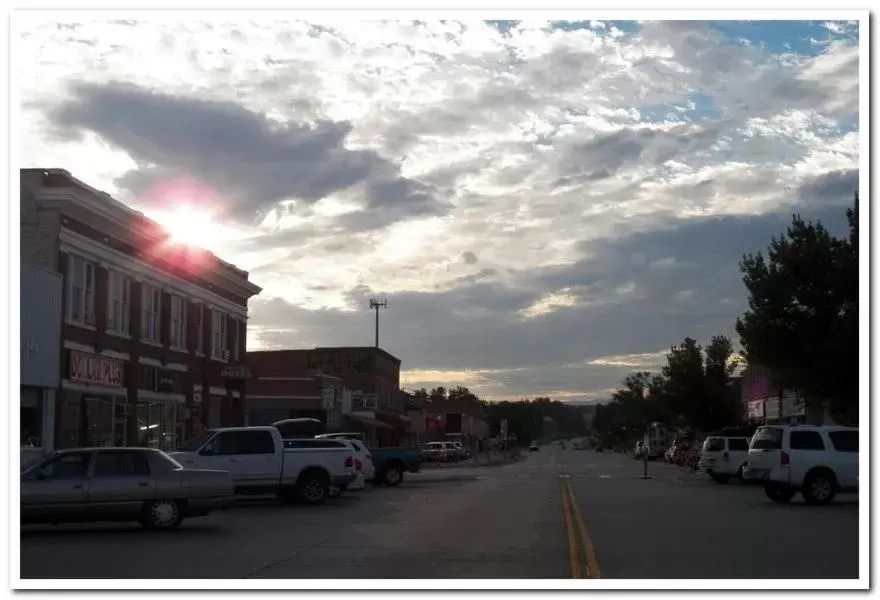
[532, 149]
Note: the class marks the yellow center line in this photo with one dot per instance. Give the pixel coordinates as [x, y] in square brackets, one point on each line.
[589, 552]
[576, 572]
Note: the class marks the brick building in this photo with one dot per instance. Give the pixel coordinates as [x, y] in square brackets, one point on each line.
[271, 398]
[370, 375]
[151, 331]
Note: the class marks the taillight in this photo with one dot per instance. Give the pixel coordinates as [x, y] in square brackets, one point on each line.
[784, 459]
[358, 465]
[349, 462]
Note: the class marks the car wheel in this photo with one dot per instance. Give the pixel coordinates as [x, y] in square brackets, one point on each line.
[313, 488]
[740, 473]
[393, 476]
[779, 493]
[162, 515]
[820, 487]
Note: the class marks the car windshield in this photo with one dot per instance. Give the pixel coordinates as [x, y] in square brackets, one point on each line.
[767, 438]
[196, 442]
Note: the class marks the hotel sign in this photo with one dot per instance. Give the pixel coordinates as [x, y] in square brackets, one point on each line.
[235, 372]
[93, 369]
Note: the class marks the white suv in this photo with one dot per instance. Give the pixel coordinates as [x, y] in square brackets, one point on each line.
[723, 457]
[817, 461]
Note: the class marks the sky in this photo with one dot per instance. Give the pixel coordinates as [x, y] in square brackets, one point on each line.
[546, 206]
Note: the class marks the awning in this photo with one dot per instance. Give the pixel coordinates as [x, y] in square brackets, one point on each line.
[370, 422]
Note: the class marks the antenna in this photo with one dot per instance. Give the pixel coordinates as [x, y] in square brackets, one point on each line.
[376, 304]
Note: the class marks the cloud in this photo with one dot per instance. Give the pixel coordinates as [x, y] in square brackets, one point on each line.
[253, 160]
[545, 204]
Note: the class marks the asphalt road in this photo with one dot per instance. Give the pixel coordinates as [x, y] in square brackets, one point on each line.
[510, 521]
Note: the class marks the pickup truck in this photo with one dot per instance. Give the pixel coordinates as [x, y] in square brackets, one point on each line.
[391, 463]
[261, 462]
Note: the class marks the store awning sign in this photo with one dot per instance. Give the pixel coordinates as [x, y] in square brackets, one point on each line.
[95, 370]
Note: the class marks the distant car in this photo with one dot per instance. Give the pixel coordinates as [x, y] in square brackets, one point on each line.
[120, 484]
[533, 447]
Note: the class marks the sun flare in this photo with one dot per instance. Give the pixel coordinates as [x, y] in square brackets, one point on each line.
[190, 226]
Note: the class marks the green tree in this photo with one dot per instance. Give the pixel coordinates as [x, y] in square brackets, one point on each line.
[802, 320]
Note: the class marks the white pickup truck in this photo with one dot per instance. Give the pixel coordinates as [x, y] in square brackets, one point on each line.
[261, 462]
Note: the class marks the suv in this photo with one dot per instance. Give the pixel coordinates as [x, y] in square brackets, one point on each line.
[817, 461]
[723, 457]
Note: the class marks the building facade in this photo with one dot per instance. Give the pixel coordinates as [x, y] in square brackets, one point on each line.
[40, 319]
[370, 375]
[151, 331]
[271, 398]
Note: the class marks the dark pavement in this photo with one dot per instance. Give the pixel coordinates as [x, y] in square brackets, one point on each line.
[502, 522]
[682, 525]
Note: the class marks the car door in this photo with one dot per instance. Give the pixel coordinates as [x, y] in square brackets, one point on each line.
[846, 451]
[807, 451]
[258, 461]
[120, 483]
[56, 489]
[738, 452]
[221, 454]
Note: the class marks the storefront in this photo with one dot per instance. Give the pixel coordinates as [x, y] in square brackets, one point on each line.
[40, 319]
[97, 410]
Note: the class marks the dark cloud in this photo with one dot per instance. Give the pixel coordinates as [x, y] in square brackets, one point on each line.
[469, 258]
[603, 156]
[248, 158]
[638, 294]
[836, 187]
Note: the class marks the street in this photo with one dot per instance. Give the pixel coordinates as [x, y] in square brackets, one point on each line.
[483, 522]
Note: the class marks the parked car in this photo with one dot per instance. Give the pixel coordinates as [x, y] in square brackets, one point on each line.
[723, 457]
[533, 447]
[391, 463]
[120, 484]
[367, 468]
[817, 461]
[260, 462]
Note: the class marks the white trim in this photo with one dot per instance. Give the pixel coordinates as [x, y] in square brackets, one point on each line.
[108, 207]
[217, 391]
[155, 362]
[68, 345]
[94, 251]
[116, 355]
[93, 389]
[161, 396]
[285, 378]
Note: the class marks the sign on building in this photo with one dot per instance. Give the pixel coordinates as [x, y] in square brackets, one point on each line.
[771, 409]
[792, 406]
[235, 372]
[94, 369]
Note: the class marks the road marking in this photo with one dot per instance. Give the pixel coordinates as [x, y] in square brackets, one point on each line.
[592, 565]
[576, 572]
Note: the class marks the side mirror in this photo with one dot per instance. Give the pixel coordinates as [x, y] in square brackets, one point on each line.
[207, 450]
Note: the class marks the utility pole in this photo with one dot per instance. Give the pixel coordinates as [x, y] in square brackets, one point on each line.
[376, 304]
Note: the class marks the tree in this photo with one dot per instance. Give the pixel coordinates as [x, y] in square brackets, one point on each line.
[802, 321]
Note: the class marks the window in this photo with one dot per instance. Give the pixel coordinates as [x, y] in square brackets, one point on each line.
[200, 327]
[119, 303]
[178, 322]
[256, 442]
[218, 334]
[737, 444]
[121, 464]
[65, 466]
[767, 438]
[81, 290]
[845, 441]
[806, 440]
[235, 333]
[713, 444]
[152, 302]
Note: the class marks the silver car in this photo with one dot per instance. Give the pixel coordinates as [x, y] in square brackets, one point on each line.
[120, 484]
